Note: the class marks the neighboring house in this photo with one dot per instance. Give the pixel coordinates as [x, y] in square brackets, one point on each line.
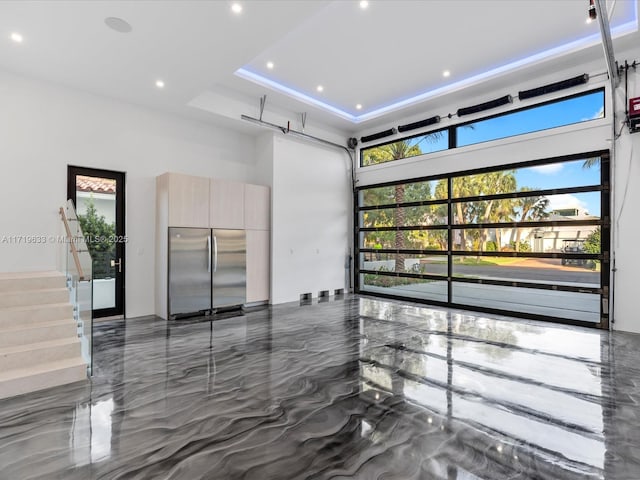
[550, 239]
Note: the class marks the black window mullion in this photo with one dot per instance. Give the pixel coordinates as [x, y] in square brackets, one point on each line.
[605, 239]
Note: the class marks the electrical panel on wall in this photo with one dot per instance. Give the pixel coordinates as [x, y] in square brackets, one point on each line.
[634, 115]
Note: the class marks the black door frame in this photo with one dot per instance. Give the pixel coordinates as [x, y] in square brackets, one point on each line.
[120, 178]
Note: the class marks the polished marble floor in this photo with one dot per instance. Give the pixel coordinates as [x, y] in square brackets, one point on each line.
[347, 388]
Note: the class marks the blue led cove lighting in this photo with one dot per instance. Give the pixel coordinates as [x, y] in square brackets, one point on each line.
[617, 31]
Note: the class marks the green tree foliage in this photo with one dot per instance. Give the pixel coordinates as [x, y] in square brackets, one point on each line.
[592, 242]
[531, 209]
[485, 212]
[97, 231]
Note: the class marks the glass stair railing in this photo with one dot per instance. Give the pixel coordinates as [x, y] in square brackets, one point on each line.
[79, 272]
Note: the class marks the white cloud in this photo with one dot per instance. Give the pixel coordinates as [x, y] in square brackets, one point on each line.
[598, 114]
[565, 200]
[548, 169]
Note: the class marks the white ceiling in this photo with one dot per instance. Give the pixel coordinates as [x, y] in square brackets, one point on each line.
[388, 57]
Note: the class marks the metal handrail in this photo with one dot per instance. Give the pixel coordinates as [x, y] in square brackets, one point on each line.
[74, 251]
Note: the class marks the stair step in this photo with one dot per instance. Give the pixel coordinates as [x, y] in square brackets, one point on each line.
[30, 314]
[24, 380]
[24, 334]
[23, 281]
[34, 297]
[24, 356]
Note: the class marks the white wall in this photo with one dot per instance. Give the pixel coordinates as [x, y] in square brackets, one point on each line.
[311, 201]
[590, 136]
[625, 220]
[44, 128]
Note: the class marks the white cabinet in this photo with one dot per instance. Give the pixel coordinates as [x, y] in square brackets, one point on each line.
[188, 200]
[258, 265]
[226, 208]
[257, 207]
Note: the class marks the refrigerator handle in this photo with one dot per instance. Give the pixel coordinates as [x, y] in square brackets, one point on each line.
[215, 254]
[209, 250]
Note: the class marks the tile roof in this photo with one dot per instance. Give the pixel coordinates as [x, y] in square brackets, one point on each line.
[95, 184]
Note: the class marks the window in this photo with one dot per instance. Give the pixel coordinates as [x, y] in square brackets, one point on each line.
[559, 113]
[525, 239]
[406, 148]
[578, 108]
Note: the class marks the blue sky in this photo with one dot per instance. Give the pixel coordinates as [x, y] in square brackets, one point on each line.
[586, 107]
[562, 175]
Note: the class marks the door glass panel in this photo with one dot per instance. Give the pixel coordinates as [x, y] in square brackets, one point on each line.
[405, 263]
[569, 174]
[539, 208]
[573, 305]
[404, 216]
[406, 287]
[569, 239]
[96, 205]
[577, 273]
[405, 192]
[406, 239]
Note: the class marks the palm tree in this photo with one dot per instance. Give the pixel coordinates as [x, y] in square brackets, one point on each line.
[396, 151]
[591, 162]
[493, 183]
[532, 209]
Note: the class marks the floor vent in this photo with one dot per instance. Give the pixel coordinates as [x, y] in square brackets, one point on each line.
[306, 298]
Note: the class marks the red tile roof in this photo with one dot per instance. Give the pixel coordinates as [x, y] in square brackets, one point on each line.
[95, 184]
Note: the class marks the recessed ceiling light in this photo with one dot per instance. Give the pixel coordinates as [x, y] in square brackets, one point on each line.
[320, 88]
[446, 73]
[358, 107]
[236, 8]
[270, 65]
[159, 83]
[364, 4]
[118, 24]
[16, 37]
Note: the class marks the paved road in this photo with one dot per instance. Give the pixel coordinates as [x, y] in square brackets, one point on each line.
[539, 270]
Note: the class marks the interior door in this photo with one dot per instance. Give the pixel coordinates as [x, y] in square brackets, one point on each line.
[99, 198]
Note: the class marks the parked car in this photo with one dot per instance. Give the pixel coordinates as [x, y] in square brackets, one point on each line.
[573, 246]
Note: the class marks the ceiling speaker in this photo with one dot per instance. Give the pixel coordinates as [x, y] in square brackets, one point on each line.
[352, 142]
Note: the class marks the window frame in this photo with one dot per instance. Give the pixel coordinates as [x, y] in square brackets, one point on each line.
[453, 129]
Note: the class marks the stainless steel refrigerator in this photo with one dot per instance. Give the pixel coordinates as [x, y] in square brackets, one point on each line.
[207, 270]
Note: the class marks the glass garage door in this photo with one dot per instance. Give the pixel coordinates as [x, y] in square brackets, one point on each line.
[529, 239]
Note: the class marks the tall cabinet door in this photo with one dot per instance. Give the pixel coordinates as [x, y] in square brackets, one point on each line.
[188, 201]
[257, 207]
[258, 265]
[227, 204]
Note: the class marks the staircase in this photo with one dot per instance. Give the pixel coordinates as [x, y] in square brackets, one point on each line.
[39, 344]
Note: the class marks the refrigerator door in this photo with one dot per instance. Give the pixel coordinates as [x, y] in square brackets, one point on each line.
[189, 270]
[229, 288]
